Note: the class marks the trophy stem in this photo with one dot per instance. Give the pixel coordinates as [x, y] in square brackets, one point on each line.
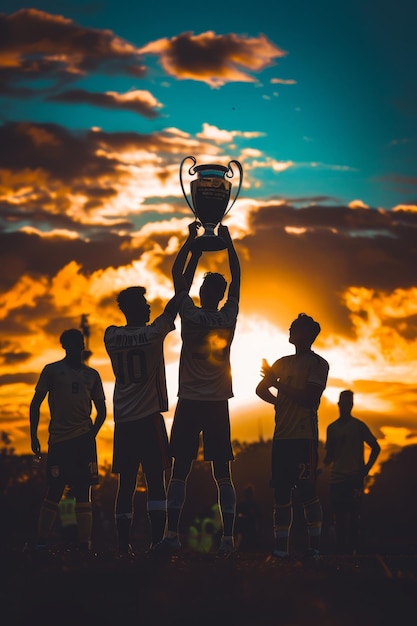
[209, 228]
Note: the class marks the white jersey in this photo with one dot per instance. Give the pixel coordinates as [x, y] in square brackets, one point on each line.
[137, 358]
[205, 371]
[70, 396]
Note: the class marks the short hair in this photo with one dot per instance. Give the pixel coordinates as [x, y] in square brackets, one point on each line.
[129, 297]
[215, 283]
[346, 393]
[308, 323]
[71, 337]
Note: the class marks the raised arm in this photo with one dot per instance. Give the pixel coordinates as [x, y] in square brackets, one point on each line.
[184, 278]
[234, 264]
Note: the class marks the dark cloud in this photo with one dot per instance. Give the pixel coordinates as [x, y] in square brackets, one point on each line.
[10, 353]
[62, 154]
[45, 165]
[13, 358]
[30, 254]
[215, 59]
[405, 327]
[46, 46]
[27, 378]
[402, 184]
[141, 104]
[332, 249]
[69, 155]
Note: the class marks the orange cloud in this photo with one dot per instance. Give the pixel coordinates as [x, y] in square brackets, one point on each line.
[138, 101]
[38, 45]
[214, 59]
[412, 208]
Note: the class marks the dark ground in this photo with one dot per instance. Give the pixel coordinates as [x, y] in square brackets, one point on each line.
[248, 589]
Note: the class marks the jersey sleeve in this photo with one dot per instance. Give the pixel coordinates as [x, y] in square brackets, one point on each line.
[319, 372]
[367, 436]
[44, 382]
[97, 391]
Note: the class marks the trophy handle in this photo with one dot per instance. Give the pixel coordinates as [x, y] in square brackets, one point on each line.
[231, 176]
[191, 174]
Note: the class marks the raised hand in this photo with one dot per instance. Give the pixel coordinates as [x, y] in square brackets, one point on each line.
[224, 233]
[193, 228]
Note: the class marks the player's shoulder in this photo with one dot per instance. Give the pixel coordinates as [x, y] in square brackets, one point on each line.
[111, 329]
[287, 358]
[359, 423]
[320, 358]
[187, 302]
[50, 367]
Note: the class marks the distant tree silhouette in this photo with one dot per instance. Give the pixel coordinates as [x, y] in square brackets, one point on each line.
[391, 505]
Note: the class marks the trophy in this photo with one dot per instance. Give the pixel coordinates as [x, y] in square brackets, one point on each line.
[210, 196]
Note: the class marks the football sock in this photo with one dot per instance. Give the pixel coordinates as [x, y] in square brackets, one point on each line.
[313, 514]
[123, 527]
[157, 519]
[227, 505]
[175, 499]
[84, 515]
[47, 516]
[282, 520]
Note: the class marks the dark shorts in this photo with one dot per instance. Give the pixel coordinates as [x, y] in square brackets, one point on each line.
[142, 442]
[211, 418]
[73, 462]
[294, 463]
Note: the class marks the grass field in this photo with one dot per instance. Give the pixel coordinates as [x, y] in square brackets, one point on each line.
[248, 589]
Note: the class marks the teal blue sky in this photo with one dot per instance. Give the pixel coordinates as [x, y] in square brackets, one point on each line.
[346, 120]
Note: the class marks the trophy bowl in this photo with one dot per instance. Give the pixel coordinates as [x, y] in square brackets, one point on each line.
[209, 199]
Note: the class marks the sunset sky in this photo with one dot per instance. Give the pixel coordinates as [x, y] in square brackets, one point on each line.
[100, 101]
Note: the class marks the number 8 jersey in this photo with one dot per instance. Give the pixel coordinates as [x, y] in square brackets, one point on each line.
[137, 358]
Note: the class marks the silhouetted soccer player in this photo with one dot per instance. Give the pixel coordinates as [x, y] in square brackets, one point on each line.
[205, 386]
[140, 397]
[300, 380]
[345, 453]
[72, 387]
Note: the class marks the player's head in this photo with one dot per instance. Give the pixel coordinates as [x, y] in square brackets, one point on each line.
[346, 401]
[72, 340]
[132, 303]
[212, 289]
[304, 329]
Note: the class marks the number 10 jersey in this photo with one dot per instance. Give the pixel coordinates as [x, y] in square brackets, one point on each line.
[137, 358]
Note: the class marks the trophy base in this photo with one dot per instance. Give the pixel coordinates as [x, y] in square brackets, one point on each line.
[208, 243]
